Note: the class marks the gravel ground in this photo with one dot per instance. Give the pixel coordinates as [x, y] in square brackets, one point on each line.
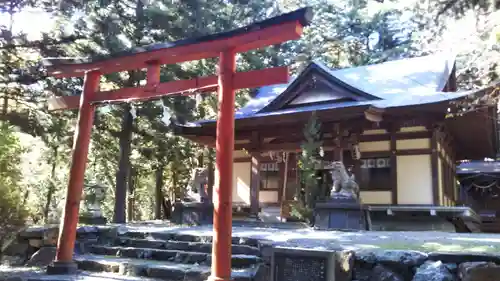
[303, 237]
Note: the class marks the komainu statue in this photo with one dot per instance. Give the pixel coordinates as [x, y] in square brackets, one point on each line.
[344, 185]
[197, 183]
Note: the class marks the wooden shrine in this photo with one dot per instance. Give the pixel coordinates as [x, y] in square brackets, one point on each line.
[225, 46]
[480, 190]
[390, 123]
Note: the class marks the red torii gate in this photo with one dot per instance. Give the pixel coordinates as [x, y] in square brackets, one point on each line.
[223, 45]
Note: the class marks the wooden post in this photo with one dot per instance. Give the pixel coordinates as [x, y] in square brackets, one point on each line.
[394, 165]
[221, 249]
[337, 150]
[255, 184]
[434, 169]
[63, 263]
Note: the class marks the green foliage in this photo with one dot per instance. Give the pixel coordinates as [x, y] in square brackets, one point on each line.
[10, 151]
[308, 159]
[13, 214]
[301, 212]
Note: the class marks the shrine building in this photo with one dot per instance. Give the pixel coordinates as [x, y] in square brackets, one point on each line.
[480, 190]
[394, 124]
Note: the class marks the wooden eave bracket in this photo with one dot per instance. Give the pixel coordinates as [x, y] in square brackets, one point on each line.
[374, 114]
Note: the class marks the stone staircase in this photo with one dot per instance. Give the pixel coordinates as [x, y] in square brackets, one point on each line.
[169, 256]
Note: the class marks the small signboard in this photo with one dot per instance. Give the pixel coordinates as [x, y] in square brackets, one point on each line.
[295, 264]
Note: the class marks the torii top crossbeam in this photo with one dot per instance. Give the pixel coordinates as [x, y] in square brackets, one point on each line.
[223, 45]
[265, 33]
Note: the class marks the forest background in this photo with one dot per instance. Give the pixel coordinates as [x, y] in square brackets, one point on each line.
[133, 150]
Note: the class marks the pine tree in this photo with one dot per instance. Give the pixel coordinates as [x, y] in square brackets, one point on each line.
[308, 160]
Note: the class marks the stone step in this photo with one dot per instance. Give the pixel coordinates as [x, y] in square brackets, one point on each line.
[36, 274]
[202, 247]
[159, 270]
[177, 256]
[185, 237]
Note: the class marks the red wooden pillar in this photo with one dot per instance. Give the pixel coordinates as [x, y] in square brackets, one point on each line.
[67, 229]
[221, 249]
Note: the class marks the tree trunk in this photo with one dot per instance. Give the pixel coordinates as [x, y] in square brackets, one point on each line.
[200, 159]
[177, 193]
[210, 180]
[52, 187]
[159, 190]
[123, 167]
[131, 195]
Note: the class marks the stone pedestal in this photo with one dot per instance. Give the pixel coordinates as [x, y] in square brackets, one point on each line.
[193, 213]
[340, 213]
[97, 220]
[62, 268]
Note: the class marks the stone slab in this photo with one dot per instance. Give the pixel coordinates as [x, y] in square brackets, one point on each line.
[192, 213]
[433, 271]
[186, 257]
[478, 271]
[42, 257]
[153, 269]
[451, 257]
[202, 247]
[35, 274]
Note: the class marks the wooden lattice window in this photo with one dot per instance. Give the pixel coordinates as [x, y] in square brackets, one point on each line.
[375, 174]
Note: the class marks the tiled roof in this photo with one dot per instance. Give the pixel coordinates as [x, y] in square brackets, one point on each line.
[397, 83]
[476, 167]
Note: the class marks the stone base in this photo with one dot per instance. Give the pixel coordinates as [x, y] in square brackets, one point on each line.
[340, 214]
[422, 218]
[213, 278]
[62, 268]
[192, 213]
[92, 220]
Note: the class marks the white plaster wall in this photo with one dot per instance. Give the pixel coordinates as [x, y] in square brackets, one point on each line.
[239, 154]
[374, 146]
[413, 144]
[241, 182]
[413, 129]
[414, 179]
[375, 132]
[376, 197]
[268, 196]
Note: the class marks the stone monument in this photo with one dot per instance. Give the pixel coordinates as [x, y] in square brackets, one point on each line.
[343, 210]
[196, 207]
[196, 187]
[93, 196]
[298, 264]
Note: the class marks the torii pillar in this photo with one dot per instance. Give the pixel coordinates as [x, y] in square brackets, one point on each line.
[223, 45]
